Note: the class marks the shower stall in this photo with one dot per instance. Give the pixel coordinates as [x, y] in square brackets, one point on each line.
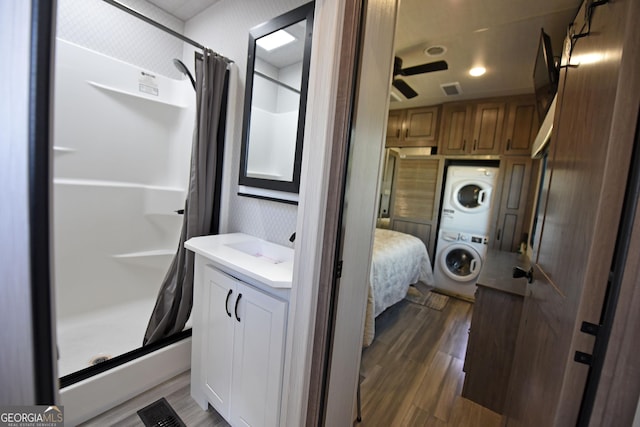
[123, 125]
[120, 173]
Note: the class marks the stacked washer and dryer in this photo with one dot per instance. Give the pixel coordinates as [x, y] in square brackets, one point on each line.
[464, 227]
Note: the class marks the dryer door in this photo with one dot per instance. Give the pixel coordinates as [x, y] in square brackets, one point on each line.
[471, 196]
[461, 262]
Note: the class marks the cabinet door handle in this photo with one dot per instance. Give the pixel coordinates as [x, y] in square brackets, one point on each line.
[398, 134]
[226, 303]
[508, 144]
[475, 144]
[498, 234]
[236, 308]
[406, 133]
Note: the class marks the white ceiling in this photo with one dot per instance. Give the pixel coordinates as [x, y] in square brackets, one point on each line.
[183, 9]
[501, 35]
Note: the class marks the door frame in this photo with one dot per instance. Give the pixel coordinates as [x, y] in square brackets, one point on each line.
[616, 369]
[27, 37]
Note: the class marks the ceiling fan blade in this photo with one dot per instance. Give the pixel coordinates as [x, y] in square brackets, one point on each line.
[404, 88]
[425, 68]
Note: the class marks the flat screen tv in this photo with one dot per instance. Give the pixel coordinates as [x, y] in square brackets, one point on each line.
[545, 75]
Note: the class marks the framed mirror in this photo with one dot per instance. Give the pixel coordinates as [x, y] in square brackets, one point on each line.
[275, 104]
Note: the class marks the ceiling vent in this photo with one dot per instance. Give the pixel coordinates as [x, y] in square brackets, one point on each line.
[435, 51]
[451, 89]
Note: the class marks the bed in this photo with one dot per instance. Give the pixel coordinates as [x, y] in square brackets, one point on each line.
[399, 260]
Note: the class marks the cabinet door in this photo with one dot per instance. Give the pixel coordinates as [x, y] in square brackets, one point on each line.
[492, 340]
[456, 126]
[219, 291]
[516, 173]
[421, 127]
[416, 198]
[394, 128]
[487, 130]
[521, 126]
[257, 358]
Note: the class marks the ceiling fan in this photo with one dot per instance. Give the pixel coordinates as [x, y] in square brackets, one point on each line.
[402, 86]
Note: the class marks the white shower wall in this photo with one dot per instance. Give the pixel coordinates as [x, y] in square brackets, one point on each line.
[103, 28]
[121, 160]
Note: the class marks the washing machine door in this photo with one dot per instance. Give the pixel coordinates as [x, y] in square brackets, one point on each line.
[461, 263]
[471, 196]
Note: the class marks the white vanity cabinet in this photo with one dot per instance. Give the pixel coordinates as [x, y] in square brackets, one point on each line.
[241, 335]
[240, 302]
[238, 344]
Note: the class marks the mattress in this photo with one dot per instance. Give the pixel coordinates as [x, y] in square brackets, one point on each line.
[398, 261]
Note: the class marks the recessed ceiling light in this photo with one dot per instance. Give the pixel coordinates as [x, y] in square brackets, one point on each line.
[477, 71]
[435, 51]
[275, 40]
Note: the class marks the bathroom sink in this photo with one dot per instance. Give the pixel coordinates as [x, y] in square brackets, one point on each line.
[265, 251]
[247, 257]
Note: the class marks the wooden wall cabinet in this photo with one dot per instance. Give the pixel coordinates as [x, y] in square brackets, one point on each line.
[472, 128]
[495, 323]
[514, 203]
[521, 126]
[457, 128]
[414, 127]
[492, 340]
[487, 130]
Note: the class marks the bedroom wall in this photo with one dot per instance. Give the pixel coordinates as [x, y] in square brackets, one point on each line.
[224, 27]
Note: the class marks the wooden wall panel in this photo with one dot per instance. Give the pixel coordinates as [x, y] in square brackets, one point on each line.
[415, 189]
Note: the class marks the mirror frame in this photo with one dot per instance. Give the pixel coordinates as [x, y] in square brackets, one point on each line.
[296, 15]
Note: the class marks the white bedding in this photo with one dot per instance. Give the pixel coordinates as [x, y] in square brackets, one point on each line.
[399, 260]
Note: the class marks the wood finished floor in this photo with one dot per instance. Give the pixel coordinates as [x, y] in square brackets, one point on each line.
[411, 375]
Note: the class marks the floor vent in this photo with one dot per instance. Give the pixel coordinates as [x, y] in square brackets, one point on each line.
[451, 89]
[160, 414]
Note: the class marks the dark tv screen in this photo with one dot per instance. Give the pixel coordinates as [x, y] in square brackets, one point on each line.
[545, 75]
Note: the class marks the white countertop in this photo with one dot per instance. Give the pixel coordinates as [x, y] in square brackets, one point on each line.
[216, 248]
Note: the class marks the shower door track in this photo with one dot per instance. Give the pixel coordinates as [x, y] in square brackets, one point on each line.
[90, 371]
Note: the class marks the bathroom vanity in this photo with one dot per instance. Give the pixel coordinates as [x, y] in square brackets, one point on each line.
[240, 302]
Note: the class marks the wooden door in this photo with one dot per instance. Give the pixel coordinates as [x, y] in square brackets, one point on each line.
[515, 175]
[456, 128]
[487, 129]
[416, 198]
[521, 126]
[589, 163]
[394, 128]
[421, 127]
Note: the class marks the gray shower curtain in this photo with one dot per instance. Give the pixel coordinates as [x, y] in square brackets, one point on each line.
[173, 305]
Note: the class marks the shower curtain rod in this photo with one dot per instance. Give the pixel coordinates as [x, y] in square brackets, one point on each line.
[157, 24]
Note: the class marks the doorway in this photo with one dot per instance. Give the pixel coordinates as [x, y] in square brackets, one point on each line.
[342, 335]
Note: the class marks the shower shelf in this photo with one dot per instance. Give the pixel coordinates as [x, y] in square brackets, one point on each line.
[153, 258]
[62, 150]
[133, 94]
